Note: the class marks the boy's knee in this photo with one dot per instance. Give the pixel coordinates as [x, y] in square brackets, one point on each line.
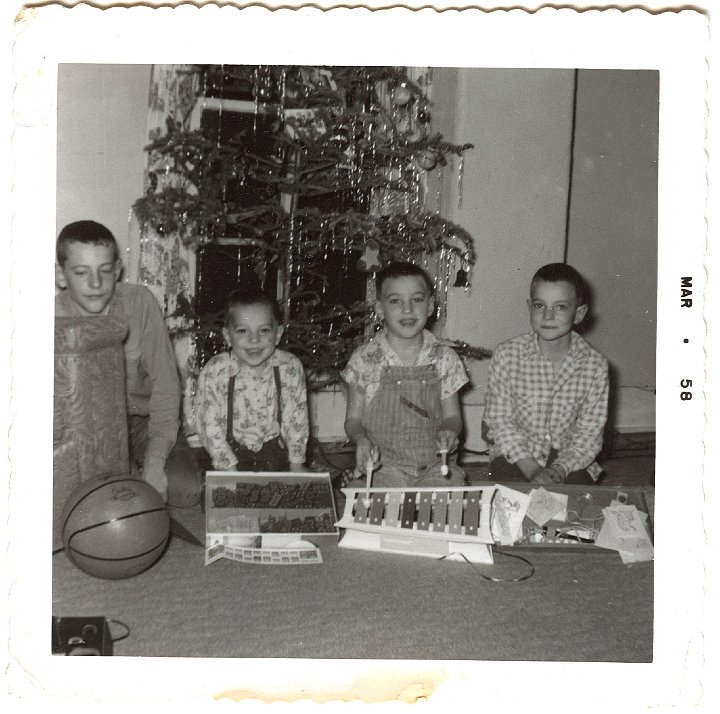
[502, 470]
[185, 481]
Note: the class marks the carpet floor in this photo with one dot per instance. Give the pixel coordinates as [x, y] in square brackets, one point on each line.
[576, 606]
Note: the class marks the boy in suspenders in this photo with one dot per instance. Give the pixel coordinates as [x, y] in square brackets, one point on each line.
[252, 401]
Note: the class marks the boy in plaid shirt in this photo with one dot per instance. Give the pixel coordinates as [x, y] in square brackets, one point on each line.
[547, 396]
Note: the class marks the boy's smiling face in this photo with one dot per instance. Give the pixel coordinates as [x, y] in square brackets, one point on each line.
[89, 274]
[253, 333]
[554, 310]
[405, 305]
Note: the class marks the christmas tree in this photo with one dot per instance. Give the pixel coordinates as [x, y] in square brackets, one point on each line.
[322, 182]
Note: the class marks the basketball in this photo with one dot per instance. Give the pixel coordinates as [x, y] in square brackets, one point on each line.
[114, 527]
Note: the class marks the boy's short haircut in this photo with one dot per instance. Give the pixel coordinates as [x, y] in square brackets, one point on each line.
[245, 297]
[402, 270]
[88, 232]
[556, 272]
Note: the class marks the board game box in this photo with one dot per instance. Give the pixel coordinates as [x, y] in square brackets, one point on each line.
[278, 518]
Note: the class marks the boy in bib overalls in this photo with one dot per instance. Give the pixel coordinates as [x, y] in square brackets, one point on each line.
[403, 408]
[252, 401]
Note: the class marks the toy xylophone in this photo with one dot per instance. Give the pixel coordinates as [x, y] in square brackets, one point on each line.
[419, 521]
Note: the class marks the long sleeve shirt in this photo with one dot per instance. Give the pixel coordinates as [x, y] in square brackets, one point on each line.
[152, 383]
[530, 409]
[254, 407]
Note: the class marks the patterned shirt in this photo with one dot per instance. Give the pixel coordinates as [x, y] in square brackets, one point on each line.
[369, 360]
[529, 409]
[254, 407]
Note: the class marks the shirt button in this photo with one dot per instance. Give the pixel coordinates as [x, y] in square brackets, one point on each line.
[399, 381]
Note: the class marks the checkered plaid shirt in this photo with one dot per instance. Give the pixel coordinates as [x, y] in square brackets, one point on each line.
[530, 410]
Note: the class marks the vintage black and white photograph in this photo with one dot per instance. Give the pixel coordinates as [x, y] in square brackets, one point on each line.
[410, 304]
[403, 260]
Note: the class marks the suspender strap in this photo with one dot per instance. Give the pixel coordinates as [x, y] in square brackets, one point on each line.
[231, 392]
[278, 389]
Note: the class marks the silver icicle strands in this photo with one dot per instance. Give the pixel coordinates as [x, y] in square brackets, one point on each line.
[127, 246]
[440, 189]
[461, 173]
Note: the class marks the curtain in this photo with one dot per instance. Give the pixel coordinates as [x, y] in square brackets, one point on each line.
[167, 263]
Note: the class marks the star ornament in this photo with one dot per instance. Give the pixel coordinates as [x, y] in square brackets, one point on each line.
[370, 259]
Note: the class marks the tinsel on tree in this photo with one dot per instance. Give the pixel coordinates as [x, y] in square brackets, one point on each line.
[340, 170]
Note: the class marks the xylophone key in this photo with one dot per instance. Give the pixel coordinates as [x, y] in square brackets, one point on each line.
[440, 511]
[393, 509]
[472, 513]
[360, 508]
[423, 520]
[377, 507]
[408, 510]
[455, 512]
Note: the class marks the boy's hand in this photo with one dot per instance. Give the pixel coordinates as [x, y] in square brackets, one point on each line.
[446, 440]
[543, 477]
[366, 452]
[154, 474]
[558, 473]
[548, 476]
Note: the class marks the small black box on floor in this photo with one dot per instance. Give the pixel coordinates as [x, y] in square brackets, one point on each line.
[88, 636]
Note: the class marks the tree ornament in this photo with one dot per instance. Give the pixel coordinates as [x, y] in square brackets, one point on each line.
[416, 135]
[402, 95]
[152, 182]
[340, 138]
[461, 279]
[423, 116]
[358, 130]
[161, 229]
[428, 159]
[369, 262]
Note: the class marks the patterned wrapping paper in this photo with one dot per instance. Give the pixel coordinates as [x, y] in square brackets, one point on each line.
[89, 416]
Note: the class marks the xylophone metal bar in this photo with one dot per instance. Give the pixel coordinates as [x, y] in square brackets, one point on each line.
[440, 512]
[377, 507]
[455, 513]
[452, 512]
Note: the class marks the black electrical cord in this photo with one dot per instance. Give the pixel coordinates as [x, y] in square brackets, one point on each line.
[122, 637]
[494, 579]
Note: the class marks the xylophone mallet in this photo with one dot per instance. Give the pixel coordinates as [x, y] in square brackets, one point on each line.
[444, 470]
[368, 482]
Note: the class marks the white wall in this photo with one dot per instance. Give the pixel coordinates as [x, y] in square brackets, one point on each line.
[514, 193]
[514, 199]
[101, 123]
[613, 216]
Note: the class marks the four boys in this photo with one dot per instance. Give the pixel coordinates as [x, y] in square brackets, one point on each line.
[545, 410]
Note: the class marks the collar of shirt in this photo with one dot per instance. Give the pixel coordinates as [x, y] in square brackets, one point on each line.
[424, 356]
[579, 349]
[234, 367]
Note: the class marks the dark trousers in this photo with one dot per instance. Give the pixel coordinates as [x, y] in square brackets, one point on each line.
[273, 456]
[185, 481]
[502, 470]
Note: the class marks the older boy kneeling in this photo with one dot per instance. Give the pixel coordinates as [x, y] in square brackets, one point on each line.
[546, 404]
